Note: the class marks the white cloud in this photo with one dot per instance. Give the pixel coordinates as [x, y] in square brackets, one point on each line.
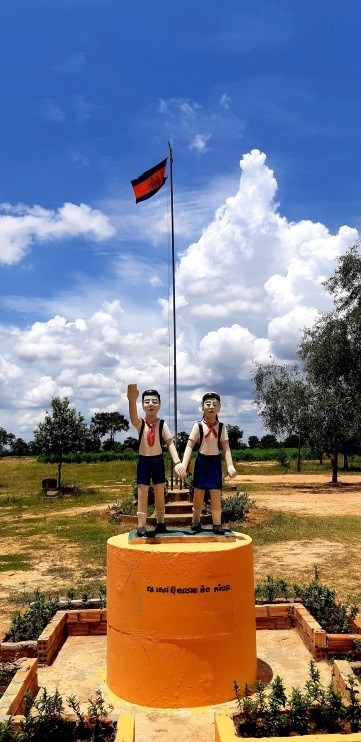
[245, 289]
[225, 101]
[196, 124]
[21, 226]
[199, 142]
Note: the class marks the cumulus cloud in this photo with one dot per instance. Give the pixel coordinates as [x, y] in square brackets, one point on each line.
[21, 226]
[246, 288]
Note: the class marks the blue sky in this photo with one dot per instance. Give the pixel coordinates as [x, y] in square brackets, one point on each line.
[92, 91]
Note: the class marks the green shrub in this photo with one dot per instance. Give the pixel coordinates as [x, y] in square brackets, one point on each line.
[85, 457]
[127, 506]
[7, 734]
[316, 710]
[46, 721]
[320, 600]
[235, 507]
[272, 589]
[282, 457]
[29, 625]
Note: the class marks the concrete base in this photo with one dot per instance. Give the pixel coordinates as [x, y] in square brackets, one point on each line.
[181, 621]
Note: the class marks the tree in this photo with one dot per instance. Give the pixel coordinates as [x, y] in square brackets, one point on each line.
[19, 447]
[322, 402]
[253, 441]
[329, 359]
[235, 436]
[268, 441]
[181, 442]
[283, 398]
[130, 442]
[62, 431]
[109, 422]
[5, 438]
[291, 441]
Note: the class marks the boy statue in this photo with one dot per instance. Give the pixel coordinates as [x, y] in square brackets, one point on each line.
[150, 467]
[212, 437]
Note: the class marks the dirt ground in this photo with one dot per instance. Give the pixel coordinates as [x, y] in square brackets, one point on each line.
[295, 560]
[60, 562]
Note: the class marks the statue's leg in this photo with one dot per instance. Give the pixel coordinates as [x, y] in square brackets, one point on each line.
[198, 497]
[216, 511]
[159, 503]
[142, 507]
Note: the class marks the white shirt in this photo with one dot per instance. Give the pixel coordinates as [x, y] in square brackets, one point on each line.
[209, 445]
[145, 449]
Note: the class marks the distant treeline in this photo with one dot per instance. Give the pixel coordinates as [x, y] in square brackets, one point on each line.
[244, 454]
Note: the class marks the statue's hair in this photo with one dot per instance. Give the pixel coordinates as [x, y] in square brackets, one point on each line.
[150, 393]
[210, 395]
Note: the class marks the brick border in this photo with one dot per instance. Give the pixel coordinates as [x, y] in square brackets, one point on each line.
[24, 681]
[86, 622]
[93, 621]
[341, 673]
[317, 640]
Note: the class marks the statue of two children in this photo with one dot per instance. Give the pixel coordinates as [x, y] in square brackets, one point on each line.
[209, 433]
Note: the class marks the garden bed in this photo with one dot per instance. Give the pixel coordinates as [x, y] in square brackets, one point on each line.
[93, 621]
[315, 712]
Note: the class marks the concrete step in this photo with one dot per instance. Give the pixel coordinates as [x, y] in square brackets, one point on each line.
[182, 506]
[175, 495]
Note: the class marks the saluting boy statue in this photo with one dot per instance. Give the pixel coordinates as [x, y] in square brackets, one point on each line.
[212, 437]
[150, 467]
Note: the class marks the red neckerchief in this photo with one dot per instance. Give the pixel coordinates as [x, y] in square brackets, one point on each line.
[211, 428]
[151, 432]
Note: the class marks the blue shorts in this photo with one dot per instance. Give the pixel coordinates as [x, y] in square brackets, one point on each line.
[151, 468]
[208, 472]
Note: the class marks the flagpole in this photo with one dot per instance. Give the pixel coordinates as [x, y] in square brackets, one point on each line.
[174, 303]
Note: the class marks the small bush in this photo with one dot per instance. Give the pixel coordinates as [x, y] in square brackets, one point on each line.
[272, 589]
[333, 616]
[315, 710]
[320, 600]
[46, 720]
[28, 626]
[235, 507]
[127, 506]
[7, 734]
[282, 458]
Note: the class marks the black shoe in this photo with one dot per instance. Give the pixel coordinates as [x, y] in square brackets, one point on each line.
[196, 527]
[160, 528]
[141, 531]
[219, 530]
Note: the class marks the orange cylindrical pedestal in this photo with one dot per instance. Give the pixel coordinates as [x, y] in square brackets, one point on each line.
[181, 621]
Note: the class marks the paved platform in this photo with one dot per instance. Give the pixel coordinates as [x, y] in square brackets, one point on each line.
[180, 535]
[80, 669]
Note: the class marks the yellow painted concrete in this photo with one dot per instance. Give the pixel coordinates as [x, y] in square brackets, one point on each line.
[181, 621]
[125, 728]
